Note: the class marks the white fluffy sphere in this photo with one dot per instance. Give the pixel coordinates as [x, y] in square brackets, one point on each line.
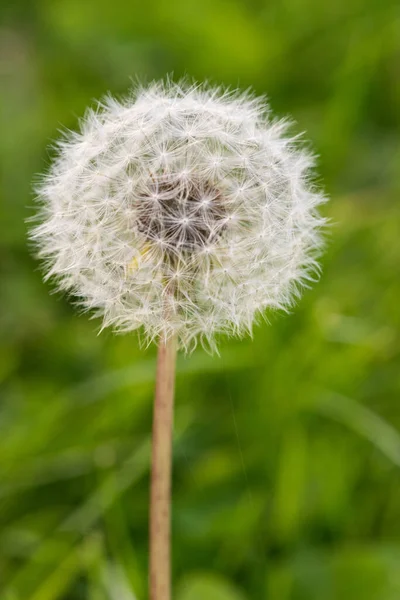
[181, 210]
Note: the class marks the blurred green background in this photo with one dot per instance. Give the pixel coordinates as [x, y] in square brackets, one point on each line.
[287, 447]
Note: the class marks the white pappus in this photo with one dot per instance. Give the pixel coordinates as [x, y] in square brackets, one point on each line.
[183, 209]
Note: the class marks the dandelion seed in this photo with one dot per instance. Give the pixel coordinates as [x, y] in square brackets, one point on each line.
[175, 177]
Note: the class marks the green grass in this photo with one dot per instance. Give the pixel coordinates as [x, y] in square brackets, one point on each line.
[287, 447]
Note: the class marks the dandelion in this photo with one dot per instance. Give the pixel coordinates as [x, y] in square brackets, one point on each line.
[182, 212]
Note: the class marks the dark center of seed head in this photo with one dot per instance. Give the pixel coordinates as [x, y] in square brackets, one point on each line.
[181, 215]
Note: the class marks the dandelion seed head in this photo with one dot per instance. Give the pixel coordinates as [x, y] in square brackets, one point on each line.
[182, 209]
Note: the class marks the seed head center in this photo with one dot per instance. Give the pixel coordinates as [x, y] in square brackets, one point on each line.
[186, 214]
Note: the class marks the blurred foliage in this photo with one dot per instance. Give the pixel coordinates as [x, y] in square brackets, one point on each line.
[287, 447]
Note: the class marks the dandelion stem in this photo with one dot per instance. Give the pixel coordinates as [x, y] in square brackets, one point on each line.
[160, 500]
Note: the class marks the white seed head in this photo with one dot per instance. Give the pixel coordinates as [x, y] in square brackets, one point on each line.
[182, 209]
